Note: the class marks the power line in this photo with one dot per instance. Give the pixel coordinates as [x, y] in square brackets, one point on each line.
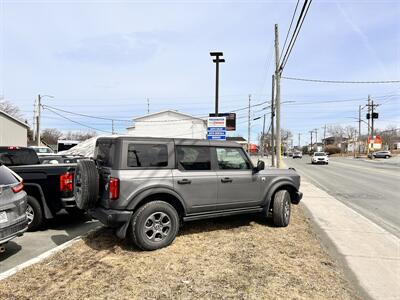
[79, 123]
[296, 31]
[290, 27]
[84, 115]
[341, 81]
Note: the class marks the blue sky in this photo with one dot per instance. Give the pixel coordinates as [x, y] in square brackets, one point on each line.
[104, 58]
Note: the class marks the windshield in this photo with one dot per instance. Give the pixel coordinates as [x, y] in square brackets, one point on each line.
[319, 154]
[15, 157]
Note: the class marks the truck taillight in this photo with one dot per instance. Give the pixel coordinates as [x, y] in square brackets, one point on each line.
[113, 188]
[66, 182]
[19, 187]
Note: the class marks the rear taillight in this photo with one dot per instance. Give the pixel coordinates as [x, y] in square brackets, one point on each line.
[66, 182]
[13, 148]
[19, 187]
[113, 188]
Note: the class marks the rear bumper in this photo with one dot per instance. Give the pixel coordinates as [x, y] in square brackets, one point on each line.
[12, 231]
[111, 217]
[297, 198]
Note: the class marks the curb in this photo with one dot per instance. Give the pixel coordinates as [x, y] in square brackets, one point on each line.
[44, 255]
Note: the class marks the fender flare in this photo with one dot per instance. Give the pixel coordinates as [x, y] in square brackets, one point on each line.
[275, 186]
[46, 209]
[148, 191]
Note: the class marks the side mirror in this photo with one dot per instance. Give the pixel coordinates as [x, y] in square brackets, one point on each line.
[260, 165]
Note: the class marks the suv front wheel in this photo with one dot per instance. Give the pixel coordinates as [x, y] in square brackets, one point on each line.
[154, 225]
[281, 209]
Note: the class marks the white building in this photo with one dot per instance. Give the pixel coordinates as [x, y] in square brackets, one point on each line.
[13, 132]
[169, 123]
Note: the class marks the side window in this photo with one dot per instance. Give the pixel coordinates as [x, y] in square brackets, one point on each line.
[147, 155]
[193, 158]
[232, 159]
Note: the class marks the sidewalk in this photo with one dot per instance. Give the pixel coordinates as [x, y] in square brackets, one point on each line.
[371, 254]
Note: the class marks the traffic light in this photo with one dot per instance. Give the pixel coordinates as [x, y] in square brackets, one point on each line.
[374, 116]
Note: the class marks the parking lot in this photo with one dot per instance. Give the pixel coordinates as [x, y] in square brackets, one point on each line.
[56, 232]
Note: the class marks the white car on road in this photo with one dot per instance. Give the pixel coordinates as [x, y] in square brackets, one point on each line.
[319, 158]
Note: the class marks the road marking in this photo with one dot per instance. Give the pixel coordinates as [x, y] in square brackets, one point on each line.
[388, 172]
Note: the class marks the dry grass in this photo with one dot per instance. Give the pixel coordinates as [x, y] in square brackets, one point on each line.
[239, 257]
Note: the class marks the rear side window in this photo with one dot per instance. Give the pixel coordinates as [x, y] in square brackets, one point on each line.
[193, 158]
[6, 177]
[105, 153]
[18, 156]
[147, 155]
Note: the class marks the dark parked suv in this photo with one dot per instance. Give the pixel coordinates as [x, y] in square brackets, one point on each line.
[144, 187]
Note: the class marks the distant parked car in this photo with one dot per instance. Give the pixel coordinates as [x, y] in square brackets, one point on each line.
[13, 206]
[297, 154]
[42, 150]
[380, 154]
[319, 158]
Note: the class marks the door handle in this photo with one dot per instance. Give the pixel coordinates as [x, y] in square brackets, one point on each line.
[226, 180]
[184, 181]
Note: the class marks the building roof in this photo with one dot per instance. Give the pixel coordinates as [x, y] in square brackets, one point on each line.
[168, 111]
[10, 117]
[236, 138]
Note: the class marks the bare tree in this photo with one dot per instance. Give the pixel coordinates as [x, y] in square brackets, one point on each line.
[351, 132]
[51, 135]
[389, 135]
[10, 108]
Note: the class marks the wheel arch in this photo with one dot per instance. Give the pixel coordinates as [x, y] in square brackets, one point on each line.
[283, 185]
[158, 193]
[35, 190]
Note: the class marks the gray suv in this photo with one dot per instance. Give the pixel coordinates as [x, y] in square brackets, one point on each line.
[145, 187]
[13, 206]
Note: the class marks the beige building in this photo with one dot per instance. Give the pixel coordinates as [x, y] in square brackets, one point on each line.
[13, 132]
[170, 124]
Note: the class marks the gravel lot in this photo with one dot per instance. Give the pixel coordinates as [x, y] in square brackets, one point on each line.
[242, 257]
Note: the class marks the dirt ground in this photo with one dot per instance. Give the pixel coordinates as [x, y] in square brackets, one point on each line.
[241, 257]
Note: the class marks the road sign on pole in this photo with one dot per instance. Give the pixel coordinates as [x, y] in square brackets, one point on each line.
[216, 128]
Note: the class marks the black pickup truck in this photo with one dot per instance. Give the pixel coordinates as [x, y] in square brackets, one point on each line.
[49, 186]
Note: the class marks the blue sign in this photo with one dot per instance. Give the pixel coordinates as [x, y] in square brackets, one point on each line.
[216, 129]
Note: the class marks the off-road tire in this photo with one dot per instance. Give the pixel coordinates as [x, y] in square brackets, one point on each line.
[281, 210]
[86, 184]
[37, 221]
[136, 230]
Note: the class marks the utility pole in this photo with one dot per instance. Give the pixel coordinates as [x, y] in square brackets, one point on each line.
[369, 122]
[273, 123]
[262, 138]
[112, 127]
[148, 106]
[311, 132]
[278, 98]
[359, 130]
[217, 60]
[299, 140]
[324, 137]
[372, 119]
[248, 128]
[316, 137]
[39, 105]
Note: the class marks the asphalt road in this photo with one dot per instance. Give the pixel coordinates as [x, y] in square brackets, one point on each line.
[372, 188]
[56, 232]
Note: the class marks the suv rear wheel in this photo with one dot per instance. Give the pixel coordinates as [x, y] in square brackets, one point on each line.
[154, 225]
[281, 209]
[34, 214]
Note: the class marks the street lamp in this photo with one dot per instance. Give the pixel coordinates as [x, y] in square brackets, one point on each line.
[217, 60]
[39, 106]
